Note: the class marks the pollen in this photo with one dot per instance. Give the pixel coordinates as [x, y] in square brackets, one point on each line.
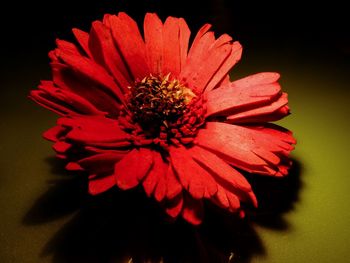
[158, 100]
[161, 111]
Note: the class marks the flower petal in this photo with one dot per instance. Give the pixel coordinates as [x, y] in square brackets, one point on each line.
[73, 166]
[66, 79]
[246, 93]
[232, 59]
[193, 178]
[133, 168]
[62, 101]
[54, 133]
[130, 43]
[200, 70]
[174, 187]
[272, 112]
[61, 147]
[200, 46]
[48, 103]
[227, 200]
[276, 132]
[101, 163]
[83, 39]
[202, 41]
[229, 180]
[93, 130]
[247, 148]
[92, 71]
[173, 208]
[220, 169]
[67, 47]
[106, 21]
[100, 184]
[157, 172]
[175, 44]
[192, 210]
[184, 39]
[153, 30]
[105, 53]
[161, 189]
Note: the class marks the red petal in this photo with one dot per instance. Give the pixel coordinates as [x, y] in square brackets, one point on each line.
[105, 53]
[276, 131]
[48, 103]
[62, 101]
[61, 156]
[78, 103]
[107, 146]
[99, 185]
[106, 21]
[184, 38]
[133, 168]
[243, 94]
[73, 166]
[204, 38]
[92, 71]
[244, 147]
[221, 199]
[128, 38]
[174, 207]
[192, 210]
[220, 169]
[83, 39]
[161, 189]
[210, 64]
[227, 200]
[193, 178]
[66, 79]
[153, 30]
[101, 163]
[61, 147]
[233, 58]
[93, 130]
[157, 172]
[234, 202]
[231, 200]
[173, 185]
[199, 71]
[272, 112]
[54, 133]
[200, 46]
[226, 176]
[175, 44]
[67, 47]
[95, 150]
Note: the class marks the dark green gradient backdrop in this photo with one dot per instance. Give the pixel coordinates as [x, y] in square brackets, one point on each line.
[46, 216]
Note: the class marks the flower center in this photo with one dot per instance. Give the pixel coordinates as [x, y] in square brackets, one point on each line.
[162, 111]
[157, 101]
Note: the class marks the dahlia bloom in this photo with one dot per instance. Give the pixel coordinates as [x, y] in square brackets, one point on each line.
[148, 110]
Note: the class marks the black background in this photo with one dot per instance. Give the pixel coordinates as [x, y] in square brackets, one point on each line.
[32, 26]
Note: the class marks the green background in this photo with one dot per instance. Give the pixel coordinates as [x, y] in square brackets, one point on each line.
[42, 207]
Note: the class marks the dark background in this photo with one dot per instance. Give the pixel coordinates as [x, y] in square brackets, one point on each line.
[33, 25]
[46, 214]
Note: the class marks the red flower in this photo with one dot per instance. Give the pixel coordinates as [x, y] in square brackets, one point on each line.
[150, 111]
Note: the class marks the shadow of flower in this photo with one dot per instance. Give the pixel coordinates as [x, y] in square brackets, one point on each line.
[276, 197]
[118, 225]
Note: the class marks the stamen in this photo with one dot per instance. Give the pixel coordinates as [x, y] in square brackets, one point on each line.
[158, 100]
[165, 110]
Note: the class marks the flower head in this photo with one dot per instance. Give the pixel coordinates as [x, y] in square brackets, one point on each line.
[148, 110]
